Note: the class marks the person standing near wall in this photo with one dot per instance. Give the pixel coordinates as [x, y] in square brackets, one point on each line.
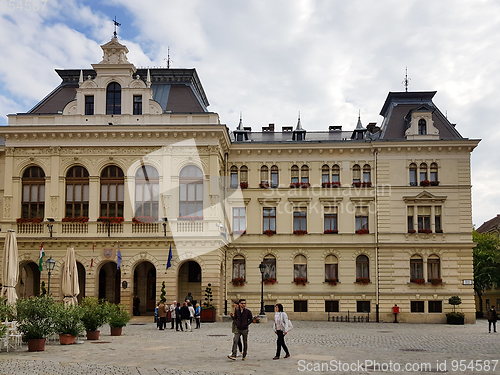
[162, 313]
[280, 328]
[243, 318]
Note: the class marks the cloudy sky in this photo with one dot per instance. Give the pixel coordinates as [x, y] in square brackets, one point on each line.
[270, 59]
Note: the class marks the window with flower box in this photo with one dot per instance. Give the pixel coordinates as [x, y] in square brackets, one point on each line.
[77, 192]
[239, 219]
[424, 219]
[356, 174]
[330, 220]
[362, 267]
[300, 267]
[33, 205]
[112, 192]
[269, 216]
[433, 268]
[331, 268]
[244, 175]
[264, 175]
[416, 268]
[417, 306]
[413, 174]
[366, 174]
[274, 176]
[270, 267]
[325, 174]
[300, 219]
[294, 174]
[233, 184]
[423, 173]
[147, 192]
[191, 192]
[336, 174]
[239, 267]
[304, 174]
[410, 216]
[361, 220]
[434, 175]
[435, 306]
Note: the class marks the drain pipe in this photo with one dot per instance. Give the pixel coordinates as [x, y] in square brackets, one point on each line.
[377, 284]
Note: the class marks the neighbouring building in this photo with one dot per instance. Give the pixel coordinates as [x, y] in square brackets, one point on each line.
[120, 160]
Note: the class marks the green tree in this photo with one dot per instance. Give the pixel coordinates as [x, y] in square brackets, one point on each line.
[163, 293]
[486, 263]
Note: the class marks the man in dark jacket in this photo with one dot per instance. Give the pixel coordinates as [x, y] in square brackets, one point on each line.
[492, 319]
[186, 317]
[242, 317]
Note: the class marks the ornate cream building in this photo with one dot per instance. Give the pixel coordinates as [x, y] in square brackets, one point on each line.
[344, 222]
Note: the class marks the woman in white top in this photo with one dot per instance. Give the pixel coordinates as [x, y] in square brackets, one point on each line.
[280, 324]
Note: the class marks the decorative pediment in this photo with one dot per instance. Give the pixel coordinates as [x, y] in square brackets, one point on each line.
[114, 53]
[425, 197]
[269, 201]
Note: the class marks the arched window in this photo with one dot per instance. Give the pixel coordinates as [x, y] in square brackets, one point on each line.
[356, 173]
[413, 174]
[234, 177]
[416, 268]
[433, 267]
[114, 99]
[244, 174]
[362, 267]
[264, 175]
[77, 192]
[304, 174]
[423, 172]
[422, 127]
[331, 267]
[147, 192]
[191, 192]
[295, 174]
[270, 263]
[300, 267]
[366, 173]
[434, 174]
[239, 267]
[112, 192]
[274, 176]
[335, 173]
[325, 173]
[33, 193]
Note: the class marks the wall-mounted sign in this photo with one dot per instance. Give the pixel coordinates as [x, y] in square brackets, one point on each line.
[124, 284]
[467, 282]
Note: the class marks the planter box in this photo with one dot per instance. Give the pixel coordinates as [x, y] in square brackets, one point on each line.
[93, 335]
[116, 331]
[66, 339]
[208, 315]
[455, 320]
[36, 345]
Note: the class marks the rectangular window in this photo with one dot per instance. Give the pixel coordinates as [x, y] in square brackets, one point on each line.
[89, 105]
[239, 219]
[300, 270]
[435, 306]
[416, 268]
[325, 177]
[269, 219]
[424, 218]
[437, 219]
[269, 308]
[361, 222]
[363, 306]
[274, 179]
[300, 219]
[331, 306]
[411, 209]
[137, 104]
[239, 268]
[299, 306]
[331, 222]
[234, 180]
[413, 177]
[417, 306]
[331, 271]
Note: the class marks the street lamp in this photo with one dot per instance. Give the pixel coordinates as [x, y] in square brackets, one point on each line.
[50, 263]
[262, 268]
[165, 220]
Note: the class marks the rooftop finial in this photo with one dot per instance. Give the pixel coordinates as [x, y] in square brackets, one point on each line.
[359, 124]
[406, 81]
[115, 22]
[299, 125]
[168, 58]
[240, 125]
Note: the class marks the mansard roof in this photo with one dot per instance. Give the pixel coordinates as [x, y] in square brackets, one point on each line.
[492, 225]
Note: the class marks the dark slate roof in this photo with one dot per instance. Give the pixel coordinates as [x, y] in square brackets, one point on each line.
[176, 90]
[284, 137]
[399, 105]
[492, 225]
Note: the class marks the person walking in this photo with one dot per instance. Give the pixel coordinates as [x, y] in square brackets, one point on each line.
[243, 318]
[186, 317]
[191, 315]
[178, 317]
[162, 313]
[137, 302]
[157, 318]
[492, 318]
[280, 328]
[197, 315]
[234, 330]
[172, 313]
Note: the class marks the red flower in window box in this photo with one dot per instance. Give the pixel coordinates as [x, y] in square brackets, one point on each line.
[299, 232]
[144, 219]
[332, 281]
[238, 281]
[418, 281]
[425, 230]
[300, 281]
[264, 185]
[111, 220]
[81, 219]
[366, 184]
[411, 231]
[331, 231]
[362, 231]
[436, 282]
[305, 185]
[244, 185]
[362, 280]
[190, 218]
[295, 185]
[434, 183]
[269, 232]
[356, 184]
[424, 183]
[269, 280]
[25, 220]
[335, 184]
[326, 184]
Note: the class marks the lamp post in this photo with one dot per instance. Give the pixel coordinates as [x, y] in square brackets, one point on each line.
[50, 225]
[262, 268]
[50, 263]
[165, 220]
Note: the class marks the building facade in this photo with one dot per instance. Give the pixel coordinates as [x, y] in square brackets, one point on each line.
[125, 161]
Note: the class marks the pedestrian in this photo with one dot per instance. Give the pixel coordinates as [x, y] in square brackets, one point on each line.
[280, 328]
[157, 318]
[178, 317]
[243, 318]
[234, 330]
[162, 313]
[186, 317]
[197, 315]
[172, 313]
[191, 314]
[137, 302]
[492, 318]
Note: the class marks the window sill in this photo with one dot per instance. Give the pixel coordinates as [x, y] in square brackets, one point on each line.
[425, 285]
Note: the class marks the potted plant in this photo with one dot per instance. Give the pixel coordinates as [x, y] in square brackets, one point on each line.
[35, 316]
[208, 310]
[300, 281]
[118, 318]
[269, 280]
[455, 318]
[94, 316]
[332, 281]
[68, 323]
[243, 185]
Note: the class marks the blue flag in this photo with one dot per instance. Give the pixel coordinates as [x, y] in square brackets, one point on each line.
[119, 261]
[169, 258]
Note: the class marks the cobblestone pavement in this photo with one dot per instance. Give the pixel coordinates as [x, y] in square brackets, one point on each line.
[336, 348]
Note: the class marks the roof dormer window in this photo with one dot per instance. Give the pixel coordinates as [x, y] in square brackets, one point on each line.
[422, 127]
[114, 99]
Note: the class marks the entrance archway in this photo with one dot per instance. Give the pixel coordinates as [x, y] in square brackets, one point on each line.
[189, 281]
[109, 283]
[145, 286]
[28, 283]
[81, 281]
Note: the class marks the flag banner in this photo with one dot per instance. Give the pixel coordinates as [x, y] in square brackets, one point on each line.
[119, 260]
[169, 258]
[40, 261]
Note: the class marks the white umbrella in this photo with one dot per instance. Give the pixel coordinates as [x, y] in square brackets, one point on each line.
[10, 268]
[69, 284]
